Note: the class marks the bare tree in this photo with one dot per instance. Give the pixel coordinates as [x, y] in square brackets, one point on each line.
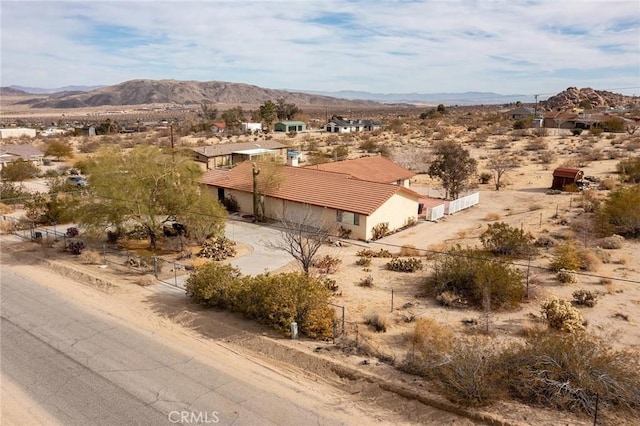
[500, 164]
[303, 233]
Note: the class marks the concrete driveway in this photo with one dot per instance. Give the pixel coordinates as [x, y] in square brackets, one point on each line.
[262, 258]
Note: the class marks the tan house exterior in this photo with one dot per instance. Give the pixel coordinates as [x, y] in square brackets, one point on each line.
[375, 169]
[337, 200]
[228, 154]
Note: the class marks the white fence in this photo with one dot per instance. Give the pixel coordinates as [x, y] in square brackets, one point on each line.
[465, 202]
[434, 213]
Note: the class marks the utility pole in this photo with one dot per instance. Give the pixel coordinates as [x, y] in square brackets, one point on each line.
[536, 107]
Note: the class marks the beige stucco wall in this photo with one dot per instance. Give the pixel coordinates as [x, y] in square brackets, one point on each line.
[396, 211]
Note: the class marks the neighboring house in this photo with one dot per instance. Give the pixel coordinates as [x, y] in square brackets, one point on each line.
[9, 153]
[17, 132]
[351, 126]
[229, 154]
[560, 120]
[251, 127]
[520, 113]
[563, 176]
[290, 126]
[336, 200]
[218, 127]
[375, 169]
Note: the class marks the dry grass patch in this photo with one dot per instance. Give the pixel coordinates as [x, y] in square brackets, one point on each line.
[409, 250]
[492, 217]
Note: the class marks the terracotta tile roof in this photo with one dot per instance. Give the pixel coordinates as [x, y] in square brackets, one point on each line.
[375, 169]
[228, 148]
[316, 187]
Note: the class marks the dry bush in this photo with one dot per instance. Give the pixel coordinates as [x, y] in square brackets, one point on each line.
[363, 261]
[379, 322]
[603, 255]
[566, 276]
[531, 328]
[408, 250]
[91, 257]
[572, 373]
[561, 315]
[327, 264]
[609, 286]
[431, 339]
[5, 209]
[366, 281]
[607, 184]
[584, 297]
[6, 226]
[146, 280]
[589, 260]
[492, 216]
[547, 157]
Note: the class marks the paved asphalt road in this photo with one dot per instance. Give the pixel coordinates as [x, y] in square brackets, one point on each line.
[88, 368]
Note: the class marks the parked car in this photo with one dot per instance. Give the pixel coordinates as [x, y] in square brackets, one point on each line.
[77, 181]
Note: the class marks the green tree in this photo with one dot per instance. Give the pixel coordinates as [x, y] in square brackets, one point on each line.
[145, 186]
[208, 112]
[59, 150]
[18, 170]
[268, 113]
[233, 119]
[619, 213]
[286, 111]
[454, 166]
[502, 239]
[441, 109]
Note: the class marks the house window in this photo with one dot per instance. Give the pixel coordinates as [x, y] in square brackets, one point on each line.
[348, 217]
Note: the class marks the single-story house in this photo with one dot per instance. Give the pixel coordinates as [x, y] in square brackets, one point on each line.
[9, 153]
[228, 154]
[251, 127]
[350, 126]
[290, 126]
[375, 169]
[560, 120]
[520, 113]
[16, 132]
[336, 200]
[563, 176]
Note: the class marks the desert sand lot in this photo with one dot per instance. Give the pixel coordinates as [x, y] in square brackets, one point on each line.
[522, 202]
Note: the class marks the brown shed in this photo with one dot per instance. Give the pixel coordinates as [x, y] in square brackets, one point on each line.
[563, 176]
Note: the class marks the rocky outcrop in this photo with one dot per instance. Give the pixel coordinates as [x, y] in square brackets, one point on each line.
[581, 98]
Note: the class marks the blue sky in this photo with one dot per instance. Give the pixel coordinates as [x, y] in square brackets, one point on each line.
[502, 46]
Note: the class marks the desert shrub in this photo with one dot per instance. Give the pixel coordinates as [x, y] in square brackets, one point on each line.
[611, 243]
[492, 216]
[536, 144]
[569, 372]
[450, 299]
[330, 284]
[584, 297]
[469, 373]
[546, 156]
[75, 247]
[502, 239]
[327, 264]
[545, 241]
[274, 300]
[372, 253]
[431, 338]
[565, 256]
[218, 248]
[603, 255]
[369, 145]
[629, 169]
[230, 204]
[566, 276]
[91, 257]
[366, 281]
[72, 232]
[363, 261]
[380, 230]
[485, 177]
[619, 212]
[576, 132]
[561, 315]
[46, 209]
[18, 170]
[589, 260]
[596, 131]
[404, 265]
[214, 284]
[409, 250]
[467, 273]
[10, 191]
[607, 184]
[378, 322]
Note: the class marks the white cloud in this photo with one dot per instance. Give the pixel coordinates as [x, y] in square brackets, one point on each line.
[381, 46]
